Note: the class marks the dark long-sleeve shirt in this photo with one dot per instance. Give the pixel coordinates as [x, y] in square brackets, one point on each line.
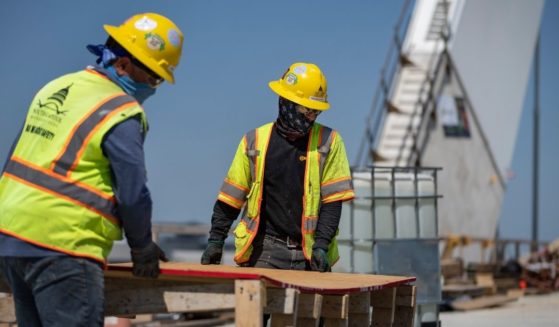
[282, 204]
[123, 146]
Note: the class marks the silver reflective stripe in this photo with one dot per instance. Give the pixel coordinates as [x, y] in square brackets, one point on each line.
[310, 224]
[64, 163]
[71, 190]
[250, 223]
[233, 191]
[336, 187]
[324, 146]
[251, 151]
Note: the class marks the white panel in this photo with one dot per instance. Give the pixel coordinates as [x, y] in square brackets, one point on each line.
[493, 48]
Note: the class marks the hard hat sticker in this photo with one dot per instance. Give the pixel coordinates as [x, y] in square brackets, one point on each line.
[145, 24]
[291, 79]
[154, 41]
[300, 70]
[174, 38]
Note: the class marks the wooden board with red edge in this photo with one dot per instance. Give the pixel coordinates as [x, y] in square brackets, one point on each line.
[304, 281]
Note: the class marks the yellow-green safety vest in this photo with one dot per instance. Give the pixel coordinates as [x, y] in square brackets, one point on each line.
[327, 179]
[56, 191]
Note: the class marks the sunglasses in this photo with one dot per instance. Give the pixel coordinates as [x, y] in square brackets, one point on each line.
[154, 80]
[307, 111]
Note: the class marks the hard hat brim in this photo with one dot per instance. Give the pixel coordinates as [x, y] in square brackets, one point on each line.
[312, 104]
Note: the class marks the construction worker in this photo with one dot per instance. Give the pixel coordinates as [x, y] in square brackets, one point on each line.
[75, 177]
[291, 177]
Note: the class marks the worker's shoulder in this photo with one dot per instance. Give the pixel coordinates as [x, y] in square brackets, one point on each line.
[261, 128]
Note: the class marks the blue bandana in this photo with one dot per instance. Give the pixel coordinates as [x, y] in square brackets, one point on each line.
[106, 57]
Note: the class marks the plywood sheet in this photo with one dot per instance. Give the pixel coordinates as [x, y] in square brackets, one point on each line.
[306, 281]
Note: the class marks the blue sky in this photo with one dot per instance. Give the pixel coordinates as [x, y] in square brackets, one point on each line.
[232, 49]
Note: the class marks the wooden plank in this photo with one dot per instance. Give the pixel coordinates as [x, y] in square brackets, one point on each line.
[282, 320]
[133, 297]
[404, 316]
[383, 302]
[281, 301]
[335, 322]
[306, 281]
[383, 298]
[310, 322]
[405, 296]
[282, 305]
[481, 302]
[309, 306]
[7, 309]
[309, 309]
[250, 298]
[335, 306]
[382, 317]
[359, 309]
[486, 280]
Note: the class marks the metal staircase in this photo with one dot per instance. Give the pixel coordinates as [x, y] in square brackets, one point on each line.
[404, 100]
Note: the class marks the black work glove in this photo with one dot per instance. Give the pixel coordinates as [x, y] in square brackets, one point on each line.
[319, 260]
[212, 254]
[146, 261]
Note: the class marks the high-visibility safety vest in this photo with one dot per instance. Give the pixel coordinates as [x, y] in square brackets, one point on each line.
[56, 191]
[327, 179]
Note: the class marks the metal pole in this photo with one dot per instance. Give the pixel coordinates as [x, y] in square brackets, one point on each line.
[535, 168]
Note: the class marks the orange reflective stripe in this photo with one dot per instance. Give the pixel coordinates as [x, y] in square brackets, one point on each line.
[95, 129]
[230, 200]
[82, 132]
[345, 195]
[64, 179]
[96, 73]
[234, 190]
[63, 188]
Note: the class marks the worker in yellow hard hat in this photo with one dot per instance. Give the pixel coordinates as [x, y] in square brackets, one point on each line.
[291, 177]
[75, 178]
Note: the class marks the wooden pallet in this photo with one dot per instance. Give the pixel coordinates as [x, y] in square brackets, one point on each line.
[292, 298]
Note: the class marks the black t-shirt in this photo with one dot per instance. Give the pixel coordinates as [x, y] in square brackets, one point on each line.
[284, 175]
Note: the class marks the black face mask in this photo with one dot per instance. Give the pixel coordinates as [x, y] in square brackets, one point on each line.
[291, 123]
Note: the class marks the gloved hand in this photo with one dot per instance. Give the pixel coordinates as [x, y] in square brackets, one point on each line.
[146, 261]
[212, 254]
[319, 260]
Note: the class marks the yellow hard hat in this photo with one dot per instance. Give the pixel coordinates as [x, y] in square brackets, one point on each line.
[152, 39]
[304, 84]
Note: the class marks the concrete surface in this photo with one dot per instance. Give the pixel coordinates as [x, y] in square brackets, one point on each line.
[533, 311]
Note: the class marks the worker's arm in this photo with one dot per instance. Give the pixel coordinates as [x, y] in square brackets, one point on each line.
[328, 221]
[124, 147]
[326, 228]
[222, 219]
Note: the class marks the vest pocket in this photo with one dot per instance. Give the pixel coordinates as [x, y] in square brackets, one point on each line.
[242, 237]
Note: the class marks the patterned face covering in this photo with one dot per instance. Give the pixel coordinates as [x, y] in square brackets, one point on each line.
[291, 123]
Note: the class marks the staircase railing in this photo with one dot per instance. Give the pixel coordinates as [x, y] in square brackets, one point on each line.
[392, 63]
[422, 108]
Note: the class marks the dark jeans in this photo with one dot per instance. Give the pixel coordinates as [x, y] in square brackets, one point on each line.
[275, 253]
[55, 291]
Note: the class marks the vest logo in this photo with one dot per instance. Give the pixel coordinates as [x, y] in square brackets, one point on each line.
[55, 102]
[302, 158]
